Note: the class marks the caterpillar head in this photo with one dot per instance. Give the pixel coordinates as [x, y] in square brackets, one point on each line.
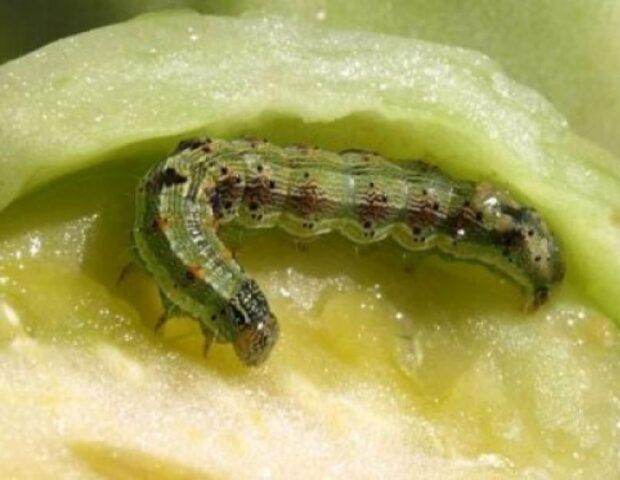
[254, 328]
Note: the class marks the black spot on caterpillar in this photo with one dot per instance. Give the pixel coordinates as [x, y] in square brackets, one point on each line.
[308, 191]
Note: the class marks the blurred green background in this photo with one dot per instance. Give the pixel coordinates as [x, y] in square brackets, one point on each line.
[569, 50]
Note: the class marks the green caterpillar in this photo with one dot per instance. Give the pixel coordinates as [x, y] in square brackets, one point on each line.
[307, 191]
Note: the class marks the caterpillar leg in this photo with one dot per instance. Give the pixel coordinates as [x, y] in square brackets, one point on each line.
[134, 263]
[129, 266]
[411, 262]
[209, 339]
[170, 310]
[302, 244]
[536, 299]
[233, 237]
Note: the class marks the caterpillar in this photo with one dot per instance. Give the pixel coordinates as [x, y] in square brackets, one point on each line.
[204, 183]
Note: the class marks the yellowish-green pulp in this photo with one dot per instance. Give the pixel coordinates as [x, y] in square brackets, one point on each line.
[407, 366]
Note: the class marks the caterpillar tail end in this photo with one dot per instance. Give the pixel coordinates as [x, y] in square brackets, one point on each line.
[541, 293]
[541, 258]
